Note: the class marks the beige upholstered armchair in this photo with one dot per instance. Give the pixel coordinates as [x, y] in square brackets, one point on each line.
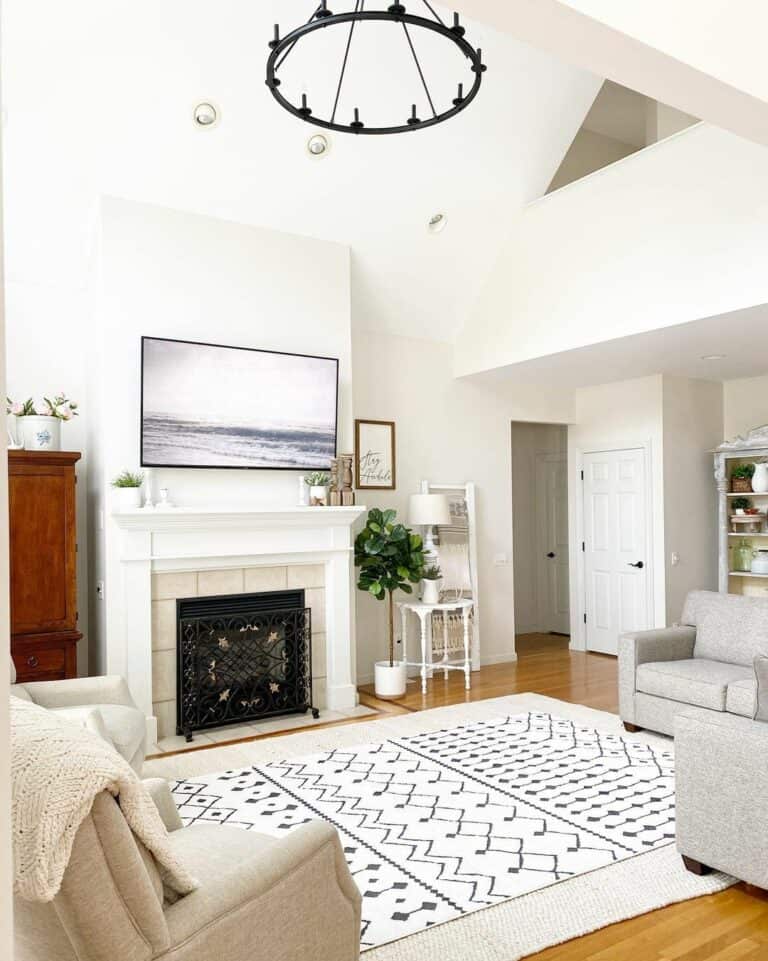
[260, 898]
[102, 704]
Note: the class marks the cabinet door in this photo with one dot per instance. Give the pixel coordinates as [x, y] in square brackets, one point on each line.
[42, 535]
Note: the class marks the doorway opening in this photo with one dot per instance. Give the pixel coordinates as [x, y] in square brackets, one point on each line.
[540, 535]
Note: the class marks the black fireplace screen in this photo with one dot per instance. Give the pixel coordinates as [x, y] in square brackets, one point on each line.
[242, 657]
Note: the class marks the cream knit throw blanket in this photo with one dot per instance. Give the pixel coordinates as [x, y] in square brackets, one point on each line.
[57, 769]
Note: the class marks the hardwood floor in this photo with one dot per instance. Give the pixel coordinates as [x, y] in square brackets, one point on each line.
[730, 926]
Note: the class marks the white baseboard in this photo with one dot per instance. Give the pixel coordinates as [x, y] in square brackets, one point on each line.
[507, 658]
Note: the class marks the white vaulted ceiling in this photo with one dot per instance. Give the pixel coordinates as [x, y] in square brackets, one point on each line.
[98, 99]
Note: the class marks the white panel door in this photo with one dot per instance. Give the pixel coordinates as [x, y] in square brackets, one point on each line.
[552, 543]
[615, 547]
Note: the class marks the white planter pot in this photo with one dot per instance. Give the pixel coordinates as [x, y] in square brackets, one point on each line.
[430, 593]
[40, 433]
[390, 681]
[760, 479]
[318, 496]
[126, 498]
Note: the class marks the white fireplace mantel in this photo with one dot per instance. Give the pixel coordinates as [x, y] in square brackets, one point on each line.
[183, 539]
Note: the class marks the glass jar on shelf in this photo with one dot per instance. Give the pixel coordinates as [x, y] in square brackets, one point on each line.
[742, 556]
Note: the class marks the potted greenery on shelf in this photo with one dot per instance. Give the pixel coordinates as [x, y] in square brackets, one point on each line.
[741, 478]
[318, 482]
[391, 558]
[127, 488]
[430, 592]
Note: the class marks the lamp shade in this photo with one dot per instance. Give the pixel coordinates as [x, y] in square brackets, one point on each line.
[426, 510]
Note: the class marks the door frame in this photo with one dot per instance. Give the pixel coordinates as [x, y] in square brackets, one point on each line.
[540, 507]
[578, 587]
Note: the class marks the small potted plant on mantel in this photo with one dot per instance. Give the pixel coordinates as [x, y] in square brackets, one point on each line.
[127, 488]
[318, 482]
[41, 423]
[391, 558]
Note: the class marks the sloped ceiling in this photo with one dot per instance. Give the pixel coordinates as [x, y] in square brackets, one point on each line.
[98, 99]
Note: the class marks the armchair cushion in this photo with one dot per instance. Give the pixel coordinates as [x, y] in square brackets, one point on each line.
[694, 681]
[740, 698]
[108, 689]
[760, 712]
[729, 627]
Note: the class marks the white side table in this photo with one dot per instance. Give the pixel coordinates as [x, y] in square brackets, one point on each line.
[426, 664]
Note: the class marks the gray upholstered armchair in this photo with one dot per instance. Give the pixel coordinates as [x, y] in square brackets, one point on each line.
[102, 704]
[700, 667]
[260, 898]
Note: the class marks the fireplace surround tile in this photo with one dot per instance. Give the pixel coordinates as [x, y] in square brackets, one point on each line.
[164, 625]
[164, 675]
[315, 598]
[174, 584]
[306, 576]
[210, 583]
[258, 579]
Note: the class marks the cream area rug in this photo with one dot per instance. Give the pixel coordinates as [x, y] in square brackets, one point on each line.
[539, 812]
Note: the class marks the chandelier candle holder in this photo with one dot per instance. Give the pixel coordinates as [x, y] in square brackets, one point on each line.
[411, 23]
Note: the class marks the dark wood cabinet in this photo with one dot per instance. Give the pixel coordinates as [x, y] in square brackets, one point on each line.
[43, 561]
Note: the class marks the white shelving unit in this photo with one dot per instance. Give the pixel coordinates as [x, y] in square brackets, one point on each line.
[741, 450]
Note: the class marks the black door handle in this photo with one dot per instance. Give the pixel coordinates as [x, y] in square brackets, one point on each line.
[551, 554]
[638, 564]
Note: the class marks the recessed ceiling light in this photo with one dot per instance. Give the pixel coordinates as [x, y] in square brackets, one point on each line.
[205, 115]
[713, 357]
[318, 145]
[437, 223]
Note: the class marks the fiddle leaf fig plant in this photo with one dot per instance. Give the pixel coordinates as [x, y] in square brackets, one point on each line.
[391, 558]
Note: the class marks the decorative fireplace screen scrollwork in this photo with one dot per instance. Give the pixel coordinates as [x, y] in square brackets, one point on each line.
[241, 658]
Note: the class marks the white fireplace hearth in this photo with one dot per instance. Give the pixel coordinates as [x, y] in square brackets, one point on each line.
[213, 551]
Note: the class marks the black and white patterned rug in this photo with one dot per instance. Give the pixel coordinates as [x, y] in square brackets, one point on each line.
[435, 826]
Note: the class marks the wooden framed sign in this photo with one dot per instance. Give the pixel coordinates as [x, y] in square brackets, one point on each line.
[375, 455]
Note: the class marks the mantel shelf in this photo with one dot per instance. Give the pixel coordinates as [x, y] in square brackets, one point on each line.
[745, 574]
[206, 518]
[747, 494]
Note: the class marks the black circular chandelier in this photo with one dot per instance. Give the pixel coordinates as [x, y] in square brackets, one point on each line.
[396, 12]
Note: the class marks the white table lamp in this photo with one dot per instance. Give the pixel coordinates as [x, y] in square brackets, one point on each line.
[428, 511]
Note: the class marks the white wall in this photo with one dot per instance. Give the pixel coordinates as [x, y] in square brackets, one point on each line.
[171, 274]
[693, 425]
[678, 420]
[628, 414]
[6, 862]
[529, 440]
[47, 328]
[745, 405]
[671, 234]
[589, 151]
[448, 431]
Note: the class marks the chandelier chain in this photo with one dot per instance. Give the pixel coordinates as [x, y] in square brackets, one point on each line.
[421, 72]
[434, 12]
[358, 7]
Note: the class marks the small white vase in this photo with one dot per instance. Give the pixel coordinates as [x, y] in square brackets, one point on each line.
[127, 498]
[760, 479]
[40, 433]
[430, 593]
[390, 680]
[318, 496]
